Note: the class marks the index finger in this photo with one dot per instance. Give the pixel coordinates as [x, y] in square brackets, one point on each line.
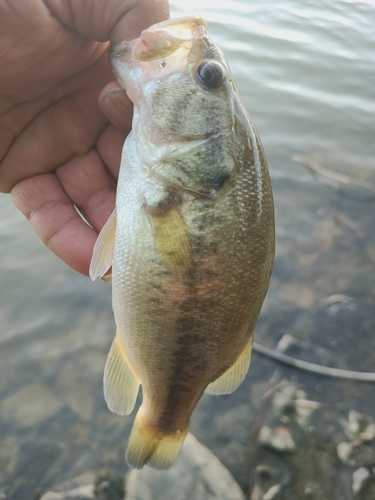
[51, 213]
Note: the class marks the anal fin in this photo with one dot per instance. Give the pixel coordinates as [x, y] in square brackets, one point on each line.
[121, 385]
[232, 378]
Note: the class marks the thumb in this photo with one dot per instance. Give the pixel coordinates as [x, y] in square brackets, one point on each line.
[116, 106]
[114, 20]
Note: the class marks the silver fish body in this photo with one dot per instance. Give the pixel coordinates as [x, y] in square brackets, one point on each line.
[194, 236]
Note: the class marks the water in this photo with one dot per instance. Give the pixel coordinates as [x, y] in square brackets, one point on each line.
[306, 71]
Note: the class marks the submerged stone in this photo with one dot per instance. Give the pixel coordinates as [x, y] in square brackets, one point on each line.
[355, 454]
[359, 477]
[279, 438]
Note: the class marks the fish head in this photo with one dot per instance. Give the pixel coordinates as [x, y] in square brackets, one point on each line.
[178, 80]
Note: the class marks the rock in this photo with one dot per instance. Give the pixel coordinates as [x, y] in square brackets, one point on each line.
[336, 298]
[355, 454]
[359, 427]
[30, 405]
[196, 475]
[272, 492]
[291, 400]
[279, 438]
[284, 399]
[363, 485]
[359, 478]
[268, 483]
[80, 493]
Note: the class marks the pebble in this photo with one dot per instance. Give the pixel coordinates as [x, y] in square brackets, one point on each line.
[279, 438]
[197, 474]
[272, 492]
[355, 454]
[359, 426]
[267, 485]
[292, 400]
[359, 477]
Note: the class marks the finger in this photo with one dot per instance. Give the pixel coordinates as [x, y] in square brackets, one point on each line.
[109, 147]
[52, 215]
[116, 106]
[109, 19]
[66, 129]
[141, 16]
[90, 187]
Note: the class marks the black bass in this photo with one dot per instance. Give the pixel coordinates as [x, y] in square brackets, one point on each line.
[191, 241]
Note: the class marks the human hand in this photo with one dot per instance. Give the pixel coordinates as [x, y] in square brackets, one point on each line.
[58, 150]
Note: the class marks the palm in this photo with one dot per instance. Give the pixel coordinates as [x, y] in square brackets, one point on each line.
[57, 149]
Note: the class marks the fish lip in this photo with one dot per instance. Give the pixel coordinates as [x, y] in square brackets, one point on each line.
[172, 23]
[163, 30]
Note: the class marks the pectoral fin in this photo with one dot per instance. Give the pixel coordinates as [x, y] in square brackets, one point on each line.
[172, 240]
[121, 385]
[104, 247]
[232, 378]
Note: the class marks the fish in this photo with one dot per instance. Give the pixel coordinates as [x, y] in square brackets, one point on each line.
[191, 241]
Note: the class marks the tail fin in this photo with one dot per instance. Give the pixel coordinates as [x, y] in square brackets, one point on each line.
[150, 446]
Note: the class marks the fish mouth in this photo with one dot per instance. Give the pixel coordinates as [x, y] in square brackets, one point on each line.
[161, 39]
[182, 27]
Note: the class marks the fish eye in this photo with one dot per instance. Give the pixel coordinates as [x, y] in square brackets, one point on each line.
[210, 75]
